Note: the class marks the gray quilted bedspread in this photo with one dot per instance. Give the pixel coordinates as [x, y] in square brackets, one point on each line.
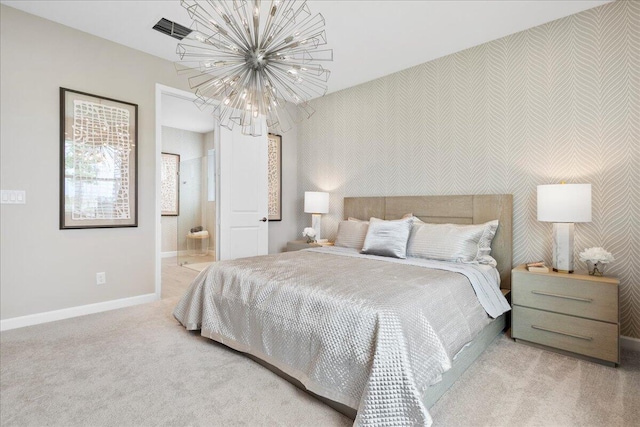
[360, 330]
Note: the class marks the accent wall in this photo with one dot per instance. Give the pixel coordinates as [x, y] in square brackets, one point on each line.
[556, 102]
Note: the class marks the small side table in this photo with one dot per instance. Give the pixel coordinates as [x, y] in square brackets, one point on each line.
[197, 244]
[574, 314]
[297, 245]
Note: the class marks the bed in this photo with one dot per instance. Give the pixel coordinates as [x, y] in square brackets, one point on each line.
[378, 338]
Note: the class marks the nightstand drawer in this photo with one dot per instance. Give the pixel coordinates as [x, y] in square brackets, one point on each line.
[298, 245]
[552, 292]
[582, 336]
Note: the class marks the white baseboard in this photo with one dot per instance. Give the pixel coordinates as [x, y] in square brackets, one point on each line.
[66, 313]
[630, 343]
[182, 253]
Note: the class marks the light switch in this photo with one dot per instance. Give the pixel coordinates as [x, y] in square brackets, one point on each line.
[14, 197]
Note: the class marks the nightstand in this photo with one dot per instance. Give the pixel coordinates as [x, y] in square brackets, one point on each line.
[574, 314]
[297, 245]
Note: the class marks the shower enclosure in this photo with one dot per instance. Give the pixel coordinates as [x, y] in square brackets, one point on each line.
[196, 224]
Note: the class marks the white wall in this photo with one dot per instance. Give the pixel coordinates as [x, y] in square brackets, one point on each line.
[43, 268]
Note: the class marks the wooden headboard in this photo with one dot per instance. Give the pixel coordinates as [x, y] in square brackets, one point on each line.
[476, 209]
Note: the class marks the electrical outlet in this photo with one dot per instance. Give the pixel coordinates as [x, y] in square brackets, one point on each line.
[101, 278]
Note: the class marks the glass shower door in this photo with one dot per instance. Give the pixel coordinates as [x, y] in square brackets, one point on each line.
[192, 236]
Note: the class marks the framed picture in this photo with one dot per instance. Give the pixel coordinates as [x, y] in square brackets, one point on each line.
[170, 185]
[275, 177]
[98, 161]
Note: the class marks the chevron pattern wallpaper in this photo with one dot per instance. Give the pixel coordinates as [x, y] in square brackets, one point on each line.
[557, 102]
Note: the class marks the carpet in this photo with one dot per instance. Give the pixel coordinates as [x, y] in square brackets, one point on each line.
[138, 367]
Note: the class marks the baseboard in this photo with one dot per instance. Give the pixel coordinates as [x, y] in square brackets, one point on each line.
[630, 343]
[181, 253]
[66, 313]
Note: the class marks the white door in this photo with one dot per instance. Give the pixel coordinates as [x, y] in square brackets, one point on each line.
[243, 195]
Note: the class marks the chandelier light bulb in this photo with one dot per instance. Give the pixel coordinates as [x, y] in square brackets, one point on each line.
[272, 56]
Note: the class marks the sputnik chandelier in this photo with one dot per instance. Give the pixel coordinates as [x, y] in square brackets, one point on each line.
[248, 70]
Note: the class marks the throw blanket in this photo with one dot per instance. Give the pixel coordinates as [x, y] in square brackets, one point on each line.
[364, 331]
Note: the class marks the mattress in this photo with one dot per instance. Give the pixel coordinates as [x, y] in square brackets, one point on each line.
[369, 332]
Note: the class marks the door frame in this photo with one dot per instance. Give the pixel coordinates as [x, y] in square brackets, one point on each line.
[170, 91]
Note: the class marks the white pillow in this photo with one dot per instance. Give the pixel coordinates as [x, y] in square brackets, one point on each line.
[453, 242]
[351, 234]
[387, 238]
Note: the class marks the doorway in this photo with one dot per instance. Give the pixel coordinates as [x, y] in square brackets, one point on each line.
[187, 231]
[189, 236]
[231, 170]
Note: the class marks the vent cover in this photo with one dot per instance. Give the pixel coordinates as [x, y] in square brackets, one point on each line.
[172, 29]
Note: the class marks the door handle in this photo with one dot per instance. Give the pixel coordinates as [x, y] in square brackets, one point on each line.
[549, 294]
[264, 219]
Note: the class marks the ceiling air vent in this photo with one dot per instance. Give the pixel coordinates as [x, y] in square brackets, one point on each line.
[172, 29]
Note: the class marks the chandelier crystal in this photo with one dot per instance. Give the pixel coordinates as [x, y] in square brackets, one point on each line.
[249, 70]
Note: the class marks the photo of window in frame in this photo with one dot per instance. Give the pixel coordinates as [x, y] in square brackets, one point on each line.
[170, 185]
[275, 177]
[98, 161]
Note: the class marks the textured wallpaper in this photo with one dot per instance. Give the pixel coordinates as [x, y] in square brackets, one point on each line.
[556, 102]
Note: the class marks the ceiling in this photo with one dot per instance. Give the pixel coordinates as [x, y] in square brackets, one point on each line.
[370, 38]
[182, 113]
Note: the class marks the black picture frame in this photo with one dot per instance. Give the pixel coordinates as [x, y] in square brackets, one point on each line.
[275, 177]
[170, 207]
[98, 161]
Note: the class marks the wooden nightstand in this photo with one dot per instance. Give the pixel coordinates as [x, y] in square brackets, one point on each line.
[574, 314]
[297, 245]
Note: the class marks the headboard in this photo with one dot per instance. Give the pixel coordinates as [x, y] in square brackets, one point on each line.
[476, 209]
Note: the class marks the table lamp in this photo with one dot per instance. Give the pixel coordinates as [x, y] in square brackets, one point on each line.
[564, 205]
[316, 203]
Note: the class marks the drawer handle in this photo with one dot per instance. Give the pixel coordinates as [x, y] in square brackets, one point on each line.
[549, 294]
[582, 337]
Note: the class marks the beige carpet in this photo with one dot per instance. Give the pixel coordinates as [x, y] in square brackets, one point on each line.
[137, 367]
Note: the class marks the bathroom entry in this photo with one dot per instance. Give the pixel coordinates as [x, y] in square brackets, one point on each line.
[188, 234]
[196, 222]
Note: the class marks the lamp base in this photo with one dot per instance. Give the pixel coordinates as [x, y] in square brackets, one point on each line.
[563, 247]
[316, 224]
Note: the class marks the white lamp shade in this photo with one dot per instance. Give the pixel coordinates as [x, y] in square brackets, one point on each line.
[316, 202]
[564, 203]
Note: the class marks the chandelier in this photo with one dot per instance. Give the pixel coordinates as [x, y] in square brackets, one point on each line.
[250, 71]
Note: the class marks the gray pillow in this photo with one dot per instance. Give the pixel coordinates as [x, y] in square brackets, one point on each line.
[484, 244]
[453, 242]
[387, 238]
[351, 234]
